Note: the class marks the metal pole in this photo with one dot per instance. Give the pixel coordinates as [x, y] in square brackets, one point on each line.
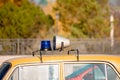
[57, 20]
[112, 30]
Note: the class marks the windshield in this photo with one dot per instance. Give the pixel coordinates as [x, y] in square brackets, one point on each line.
[3, 69]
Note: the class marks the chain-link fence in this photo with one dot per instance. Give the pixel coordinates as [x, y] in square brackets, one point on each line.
[85, 46]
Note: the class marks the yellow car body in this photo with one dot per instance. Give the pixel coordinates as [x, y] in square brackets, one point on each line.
[63, 67]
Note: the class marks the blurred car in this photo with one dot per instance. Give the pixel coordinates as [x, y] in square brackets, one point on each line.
[62, 67]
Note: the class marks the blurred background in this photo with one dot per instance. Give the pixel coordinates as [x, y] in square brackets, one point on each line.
[93, 26]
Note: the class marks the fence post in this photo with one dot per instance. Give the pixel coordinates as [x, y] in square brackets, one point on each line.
[103, 46]
[18, 46]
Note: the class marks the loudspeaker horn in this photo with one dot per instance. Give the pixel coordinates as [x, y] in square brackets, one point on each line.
[60, 42]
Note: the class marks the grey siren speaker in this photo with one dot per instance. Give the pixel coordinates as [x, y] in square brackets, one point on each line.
[60, 42]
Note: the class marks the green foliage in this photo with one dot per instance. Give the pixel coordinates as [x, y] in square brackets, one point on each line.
[22, 21]
[84, 18]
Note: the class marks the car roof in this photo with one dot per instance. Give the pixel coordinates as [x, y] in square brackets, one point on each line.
[113, 59]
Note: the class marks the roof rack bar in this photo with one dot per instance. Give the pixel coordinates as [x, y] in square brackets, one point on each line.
[33, 54]
[41, 56]
[76, 51]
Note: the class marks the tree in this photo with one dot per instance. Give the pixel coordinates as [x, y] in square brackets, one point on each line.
[23, 21]
[83, 18]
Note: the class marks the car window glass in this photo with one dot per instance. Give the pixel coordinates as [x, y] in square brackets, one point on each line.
[15, 75]
[111, 74]
[89, 72]
[40, 72]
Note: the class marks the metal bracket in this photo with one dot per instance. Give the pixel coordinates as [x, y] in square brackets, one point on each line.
[33, 54]
[76, 51]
